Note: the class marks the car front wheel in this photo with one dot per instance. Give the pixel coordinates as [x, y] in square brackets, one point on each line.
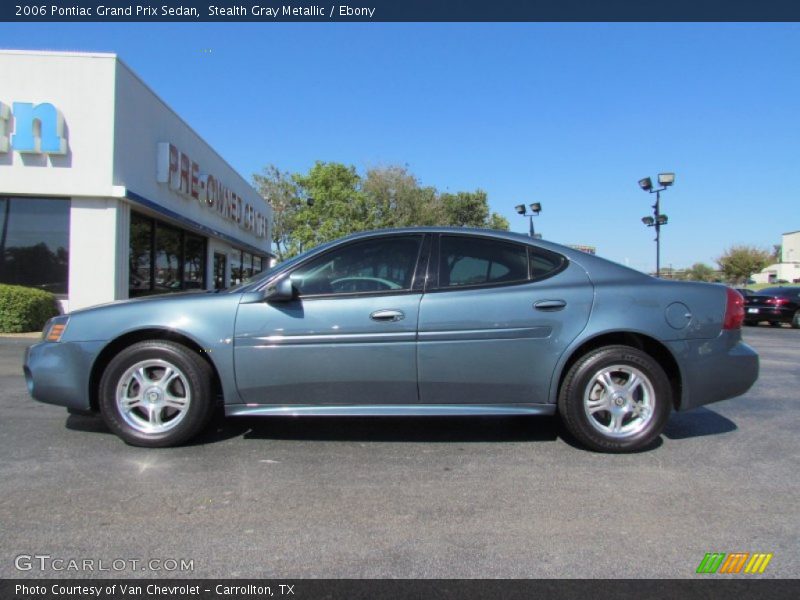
[615, 399]
[156, 393]
[796, 320]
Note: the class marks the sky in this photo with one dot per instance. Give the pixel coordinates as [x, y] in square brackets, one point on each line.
[568, 115]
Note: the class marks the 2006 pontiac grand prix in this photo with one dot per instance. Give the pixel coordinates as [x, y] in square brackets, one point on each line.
[423, 321]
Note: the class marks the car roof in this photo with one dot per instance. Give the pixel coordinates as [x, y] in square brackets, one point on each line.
[586, 260]
[476, 231]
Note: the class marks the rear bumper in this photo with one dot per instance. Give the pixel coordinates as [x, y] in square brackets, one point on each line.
[58, 372]
[714, 370]
[768, 313]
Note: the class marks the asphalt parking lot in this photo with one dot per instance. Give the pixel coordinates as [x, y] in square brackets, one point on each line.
[445, 497]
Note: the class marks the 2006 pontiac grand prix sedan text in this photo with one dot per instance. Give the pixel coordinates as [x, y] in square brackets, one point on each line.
[427, 321]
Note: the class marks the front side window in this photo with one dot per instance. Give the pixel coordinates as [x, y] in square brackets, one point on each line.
[381, 265]
[468, 261]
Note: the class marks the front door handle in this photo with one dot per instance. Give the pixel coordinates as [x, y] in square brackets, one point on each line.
[549, 305]
[388, 315]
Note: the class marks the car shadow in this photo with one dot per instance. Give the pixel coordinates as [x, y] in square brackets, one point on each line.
[697, 423]
[396, 429]
[361, 429]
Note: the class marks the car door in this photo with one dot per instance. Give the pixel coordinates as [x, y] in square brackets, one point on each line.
[347, 338]
[495, 321]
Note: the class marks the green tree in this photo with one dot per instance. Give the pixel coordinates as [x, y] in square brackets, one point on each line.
[738, 263]
[470, 209]
[340, 207]
[397, 199]
[344, 203]
[498, 221]
[700, 272]
[281, 191]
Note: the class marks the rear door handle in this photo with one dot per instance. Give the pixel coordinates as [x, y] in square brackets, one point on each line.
[549, 305]
[388, 315]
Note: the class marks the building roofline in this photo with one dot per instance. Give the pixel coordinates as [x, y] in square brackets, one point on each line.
[136, 76]
[142, 82]
[72, 53]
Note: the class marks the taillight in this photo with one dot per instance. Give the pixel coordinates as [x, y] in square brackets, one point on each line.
[776, 301]
[734, 310]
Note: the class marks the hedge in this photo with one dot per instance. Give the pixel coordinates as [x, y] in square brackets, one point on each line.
[25, 309]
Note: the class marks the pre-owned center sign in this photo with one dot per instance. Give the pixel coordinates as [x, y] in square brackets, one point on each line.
[184, 176]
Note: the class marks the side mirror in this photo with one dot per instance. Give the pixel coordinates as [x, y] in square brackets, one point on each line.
[280, 291]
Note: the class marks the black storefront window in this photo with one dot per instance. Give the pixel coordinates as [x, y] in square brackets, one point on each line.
[169, 248]
[247, 265]
[164, 258]
[219, 270]
[34, 242]
[236, 268]
[194, 262]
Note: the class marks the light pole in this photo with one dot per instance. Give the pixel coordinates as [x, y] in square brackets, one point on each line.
[522, 210]
[665, 180]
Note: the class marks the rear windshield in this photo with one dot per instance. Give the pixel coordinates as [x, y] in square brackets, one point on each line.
[779, 291]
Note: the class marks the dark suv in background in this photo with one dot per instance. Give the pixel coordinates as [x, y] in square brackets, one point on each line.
[776, 305]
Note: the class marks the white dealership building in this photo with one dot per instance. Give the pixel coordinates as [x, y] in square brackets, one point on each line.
[106, 193]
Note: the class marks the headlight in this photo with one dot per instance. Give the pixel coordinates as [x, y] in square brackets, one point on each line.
[54, 329]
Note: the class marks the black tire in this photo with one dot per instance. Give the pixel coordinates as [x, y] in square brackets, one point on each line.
[198, 388]
[796, 320]
[576, 385]
[751, 323]
[775, 323]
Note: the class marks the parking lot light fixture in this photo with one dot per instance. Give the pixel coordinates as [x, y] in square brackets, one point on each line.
[665, 180]
[522, 211]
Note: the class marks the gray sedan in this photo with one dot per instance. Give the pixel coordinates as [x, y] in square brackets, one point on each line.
[423, 321]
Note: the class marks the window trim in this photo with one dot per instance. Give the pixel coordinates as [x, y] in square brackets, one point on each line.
[405, 291]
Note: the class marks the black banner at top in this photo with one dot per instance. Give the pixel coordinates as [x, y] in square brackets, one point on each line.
[398, 10]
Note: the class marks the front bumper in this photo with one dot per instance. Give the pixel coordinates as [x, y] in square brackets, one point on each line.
[714, 370]
[58, 372]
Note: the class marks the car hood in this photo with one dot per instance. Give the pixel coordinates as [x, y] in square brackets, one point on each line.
[158, 299]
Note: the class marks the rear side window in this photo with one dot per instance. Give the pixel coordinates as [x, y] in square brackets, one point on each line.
[468, 261]
[544, 263]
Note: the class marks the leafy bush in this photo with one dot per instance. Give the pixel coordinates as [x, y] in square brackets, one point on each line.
[25, 309]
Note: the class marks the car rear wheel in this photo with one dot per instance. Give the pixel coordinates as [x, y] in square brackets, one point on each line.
[615, 399]
[796, 320]
[156, 393]
[775, 323]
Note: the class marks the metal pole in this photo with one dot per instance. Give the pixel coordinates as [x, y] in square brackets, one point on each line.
[657, 207]
[530, 232]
